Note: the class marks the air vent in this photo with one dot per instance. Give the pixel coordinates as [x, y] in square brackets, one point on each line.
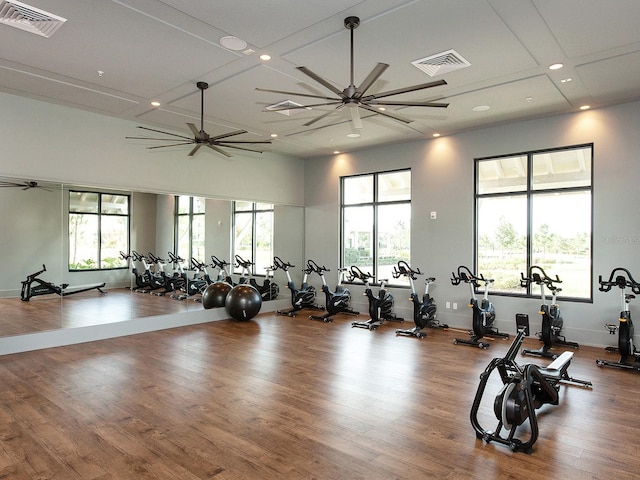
[30, 19]
[282, 108]
[441, 63]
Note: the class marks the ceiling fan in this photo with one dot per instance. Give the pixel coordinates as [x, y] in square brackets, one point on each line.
[354, 97]
[26, 185]
[202, 138]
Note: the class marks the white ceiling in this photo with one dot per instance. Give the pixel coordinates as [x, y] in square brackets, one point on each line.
[158, 50]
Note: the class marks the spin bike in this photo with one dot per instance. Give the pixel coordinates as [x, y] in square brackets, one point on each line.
[43, 287]
[336, 302]
[551, 316]
[380, 306]
[221, 265]
[301, 298]
[525, 389]
[425, 309]
[629, 356]
[268, 290]
[484, 313]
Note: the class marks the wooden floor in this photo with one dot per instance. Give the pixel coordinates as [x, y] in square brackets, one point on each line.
[290, 398]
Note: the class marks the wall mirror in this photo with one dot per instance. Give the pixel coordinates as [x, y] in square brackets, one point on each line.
[45, 245]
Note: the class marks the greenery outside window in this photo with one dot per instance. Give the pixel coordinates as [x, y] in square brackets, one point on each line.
[253, 234]
[535, 208]
[98, 230]
[376, 222]
[190, 228]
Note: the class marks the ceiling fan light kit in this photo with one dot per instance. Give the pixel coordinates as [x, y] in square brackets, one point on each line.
[200, 137]
[355, 97]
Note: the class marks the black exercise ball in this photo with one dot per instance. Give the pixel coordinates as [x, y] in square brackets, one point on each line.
[215, 295]
[243, 302]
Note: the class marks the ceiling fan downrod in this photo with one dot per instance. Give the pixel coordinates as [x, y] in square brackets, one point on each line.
[352, 23]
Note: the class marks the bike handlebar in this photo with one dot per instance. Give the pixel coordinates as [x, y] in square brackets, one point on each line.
[621, 281]
[314, 267]
[355, 272]
[404, 269]
[465, 275]
[538, 276]
[279, 263]
[216, 262]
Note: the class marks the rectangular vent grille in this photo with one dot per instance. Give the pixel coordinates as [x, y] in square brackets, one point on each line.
[285, 108]
[441, 63]
[30, 19]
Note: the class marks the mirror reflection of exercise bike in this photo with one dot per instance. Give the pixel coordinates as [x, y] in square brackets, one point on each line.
[269, 289]
[551, 317]
[629, 356]
[484, 313]
[380, 306]
[424, 309]
[301, 298]
[221, 265]
[42, 287]
[337, 301]
[525, 389]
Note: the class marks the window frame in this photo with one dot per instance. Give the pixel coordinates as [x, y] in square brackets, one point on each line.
[254, 211]
[99, 214]
[176, 225]
[375, 203]
[530, 192]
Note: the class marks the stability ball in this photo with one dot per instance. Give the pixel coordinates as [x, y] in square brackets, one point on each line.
[215, 295]
[243, 302]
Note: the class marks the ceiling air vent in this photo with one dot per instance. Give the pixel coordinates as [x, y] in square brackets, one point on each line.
[31, 19]
[441, 63]
[282, 108]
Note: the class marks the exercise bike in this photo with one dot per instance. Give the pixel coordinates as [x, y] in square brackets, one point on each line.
[336, 302]
[172, 282]
[424, 309]
[301, 298]
[43, 287]
[221, 265]
[484, 313]
[380, 306]
[191, 286]
[525, 388]
[629, 356]
[551, 316]
[269, 289]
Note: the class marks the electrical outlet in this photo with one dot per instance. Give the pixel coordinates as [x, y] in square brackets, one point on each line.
[455, 306]
[447, 304]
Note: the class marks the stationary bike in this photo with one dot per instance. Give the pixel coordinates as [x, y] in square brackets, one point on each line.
[424, 309]
[221, 265]
[525, 389]
[301, 298]
[629, 356]
[380, 306]
[336, 302]
[269, 289]
[484, 313]
[551, 316]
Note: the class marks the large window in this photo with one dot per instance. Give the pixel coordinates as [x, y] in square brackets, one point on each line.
[253, 234]
[535, 209]
[190, 228]
[98, 230]
[376, 222]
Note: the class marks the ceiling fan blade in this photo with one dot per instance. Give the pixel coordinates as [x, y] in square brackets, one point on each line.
[386, 114]
[225, 135]
[248, 142]
[219, 150]
[321, 81]
[299, 107]
[413, 88]
[324, 115]
[172, 145]
[193, 128]
[195, 150]
[151, 138]
[410, 104]
[371, 78]
[164, 133]
[241, 148]
[294, 93]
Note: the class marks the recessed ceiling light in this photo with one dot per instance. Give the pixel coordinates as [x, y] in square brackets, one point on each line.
[556, 66]
[233, 43]
[480, 108]
[100, 73]
[265, 57]
[529, 99]
[155, 104]
[436, 135]
[566, 80]
[382, 109]
[274, 135]
[353, 135]
[585, 107]
[336, 152]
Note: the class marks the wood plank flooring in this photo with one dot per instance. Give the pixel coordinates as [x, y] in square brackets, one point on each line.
[290, 398]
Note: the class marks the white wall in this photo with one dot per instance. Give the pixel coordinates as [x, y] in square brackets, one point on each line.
[442, 177]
